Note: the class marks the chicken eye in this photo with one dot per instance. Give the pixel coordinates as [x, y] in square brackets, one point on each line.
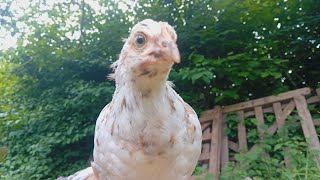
[140, 40]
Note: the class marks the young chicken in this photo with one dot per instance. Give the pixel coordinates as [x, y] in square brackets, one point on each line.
[147, 131]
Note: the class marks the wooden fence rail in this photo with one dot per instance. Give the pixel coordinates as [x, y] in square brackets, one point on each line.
[216, 144]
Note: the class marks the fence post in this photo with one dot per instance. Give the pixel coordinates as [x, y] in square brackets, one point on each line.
[215, 153]
[242, 135]
[280, 119]
[259, 116]
[308, 128]
[224, 146]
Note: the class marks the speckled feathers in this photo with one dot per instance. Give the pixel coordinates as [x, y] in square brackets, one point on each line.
[147, 131]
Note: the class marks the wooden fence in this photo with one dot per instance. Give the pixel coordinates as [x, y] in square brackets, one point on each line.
[216, 144]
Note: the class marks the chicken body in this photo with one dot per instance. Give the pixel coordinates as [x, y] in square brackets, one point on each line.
[156, 140]
[147, 131]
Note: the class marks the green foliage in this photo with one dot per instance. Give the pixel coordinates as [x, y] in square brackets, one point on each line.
[53, 84]
[202, 171]
[256, 165]
[66, 122]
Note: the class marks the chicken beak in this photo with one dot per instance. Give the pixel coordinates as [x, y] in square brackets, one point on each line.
[168, 52]
[173, 53]
[176, 56]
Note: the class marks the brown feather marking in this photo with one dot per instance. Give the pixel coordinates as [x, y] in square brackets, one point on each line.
[188, 108]
[141, 142]
[186, 117]
[91, 177]
[146, 94]
[152, 74]
[97, 172]
[107, 107]
[160, 153]
[159, 124]
[144, 72]
[133, 151]
[97, 141]
[172, 108]
[172, 139]
[112, 128]
[123, 147]
[124, 103]
[191, 131]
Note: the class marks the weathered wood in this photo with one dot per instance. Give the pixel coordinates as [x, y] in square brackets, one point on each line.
[313, 99]
[242, 135]
[251, 113]
[206, 148]
[287, 158]
[224, 148]
[288, 109]
[253, 148]
[316, 122]
[280, 120]
[266, 100]
[278, 113]
[307, 123]
[259, 116]
[214, 161]
[265, 110]
[206, 137]
[206, 131]
[206, 126]
[206, 116]
[204, 156]
[207, 113]
[216, 145]
[233, 146]
[272, 129]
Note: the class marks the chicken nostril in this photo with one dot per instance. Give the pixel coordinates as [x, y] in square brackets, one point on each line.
[157, 55]
[164, 43]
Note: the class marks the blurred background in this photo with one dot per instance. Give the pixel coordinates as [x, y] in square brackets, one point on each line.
[55, 57]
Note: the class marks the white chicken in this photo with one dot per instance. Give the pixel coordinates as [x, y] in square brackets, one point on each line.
[147, 131]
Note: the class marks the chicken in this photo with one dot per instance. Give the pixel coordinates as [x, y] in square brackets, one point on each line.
[147, 131]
